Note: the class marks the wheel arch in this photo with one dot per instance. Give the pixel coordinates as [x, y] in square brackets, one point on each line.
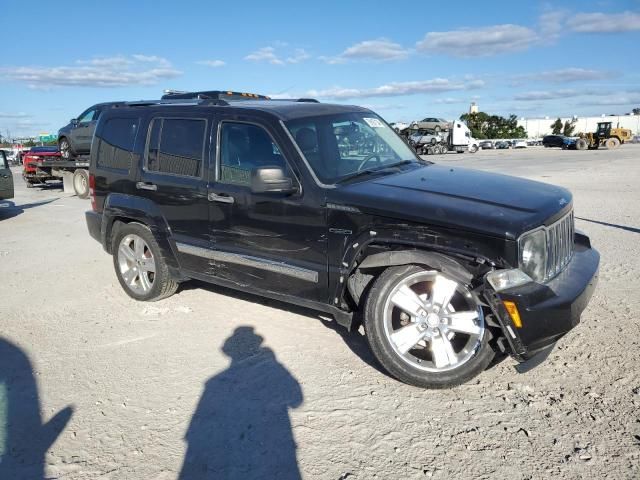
[361, 276]
[122, 209]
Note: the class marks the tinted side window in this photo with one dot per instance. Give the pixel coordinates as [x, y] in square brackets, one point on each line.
[176, 146]
[87, 116]
[244, 147]
[116, 141]
[3, 160]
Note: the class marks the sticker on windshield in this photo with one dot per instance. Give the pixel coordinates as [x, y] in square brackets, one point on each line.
[374, 122]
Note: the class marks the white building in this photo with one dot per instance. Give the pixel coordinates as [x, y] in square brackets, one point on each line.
[539, 127]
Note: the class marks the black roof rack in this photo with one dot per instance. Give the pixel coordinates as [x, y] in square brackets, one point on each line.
[212, 95]
[178, 101]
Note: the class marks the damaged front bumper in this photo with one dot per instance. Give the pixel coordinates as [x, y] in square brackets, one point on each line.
[547, 311]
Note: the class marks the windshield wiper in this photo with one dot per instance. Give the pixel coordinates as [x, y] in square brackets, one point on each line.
[373, 171]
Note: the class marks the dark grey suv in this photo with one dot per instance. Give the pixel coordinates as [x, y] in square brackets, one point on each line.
[75, 137]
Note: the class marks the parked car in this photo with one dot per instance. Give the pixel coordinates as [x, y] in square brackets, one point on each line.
[519, 144]
[553, 141]
[635, 139]
[425, 137]
[30, 173]
[569, 143]
[486, 145]
[75, 138]
[6, 177]
[442, 263]
[501, 145]
[437, 124]
[399, 126]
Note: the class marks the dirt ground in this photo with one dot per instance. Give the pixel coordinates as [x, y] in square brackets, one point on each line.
[114, 389]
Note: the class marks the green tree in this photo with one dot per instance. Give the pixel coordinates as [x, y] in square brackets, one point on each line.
[636, 111]
[556, 127]
[569, 128]
[483, 125]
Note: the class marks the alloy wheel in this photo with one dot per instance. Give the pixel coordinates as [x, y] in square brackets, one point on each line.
[136, 264]
[433, 323]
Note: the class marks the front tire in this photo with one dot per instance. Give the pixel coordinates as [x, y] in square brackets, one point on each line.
[140, 268]
[426, 328]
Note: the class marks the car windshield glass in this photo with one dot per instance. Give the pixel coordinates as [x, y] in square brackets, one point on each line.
[337, 146]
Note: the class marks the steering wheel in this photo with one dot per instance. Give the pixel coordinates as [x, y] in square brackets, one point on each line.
[368, 159]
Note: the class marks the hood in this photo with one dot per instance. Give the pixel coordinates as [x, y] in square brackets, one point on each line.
[460, 198]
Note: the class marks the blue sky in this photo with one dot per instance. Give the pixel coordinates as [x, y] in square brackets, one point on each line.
[404, 61]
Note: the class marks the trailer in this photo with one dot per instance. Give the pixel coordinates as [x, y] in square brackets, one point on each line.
[74, 174]
[457, 139]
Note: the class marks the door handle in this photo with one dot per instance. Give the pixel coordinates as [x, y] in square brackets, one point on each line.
[5, 176]
[222, 198]
[146, 186]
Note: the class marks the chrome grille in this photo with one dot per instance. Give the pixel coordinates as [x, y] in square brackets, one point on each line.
[559, 245]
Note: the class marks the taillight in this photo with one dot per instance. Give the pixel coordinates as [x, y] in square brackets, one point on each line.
[92, 191]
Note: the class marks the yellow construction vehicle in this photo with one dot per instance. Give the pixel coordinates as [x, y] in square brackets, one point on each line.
[604, 136]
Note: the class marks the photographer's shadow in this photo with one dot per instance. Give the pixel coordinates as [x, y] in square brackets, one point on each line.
[24, 440]
[241, 427]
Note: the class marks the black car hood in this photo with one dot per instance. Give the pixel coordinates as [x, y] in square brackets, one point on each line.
[461, 198]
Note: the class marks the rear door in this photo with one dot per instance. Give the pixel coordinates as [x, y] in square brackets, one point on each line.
[273, 241]
[6, 177]
[174, 177]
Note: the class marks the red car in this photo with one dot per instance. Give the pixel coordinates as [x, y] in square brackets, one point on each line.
[30, 172]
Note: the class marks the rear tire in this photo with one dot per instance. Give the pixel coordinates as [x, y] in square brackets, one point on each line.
[610, 143]
[140, 268]
[432, 361]
[81, 183]
[65, 148]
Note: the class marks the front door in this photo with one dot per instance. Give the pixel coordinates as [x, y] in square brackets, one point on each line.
[6, 177]
[174, 178]
[82, 134]
[275, 242]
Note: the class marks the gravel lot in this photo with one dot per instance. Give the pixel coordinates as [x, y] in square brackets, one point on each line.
[143, 385]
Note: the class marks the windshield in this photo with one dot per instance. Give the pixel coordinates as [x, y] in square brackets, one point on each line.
[338, 146]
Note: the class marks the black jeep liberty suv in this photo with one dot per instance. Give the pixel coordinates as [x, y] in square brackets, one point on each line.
[325, 206]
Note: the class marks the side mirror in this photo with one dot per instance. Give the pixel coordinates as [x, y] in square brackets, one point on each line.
[74, 121]
[270, 179]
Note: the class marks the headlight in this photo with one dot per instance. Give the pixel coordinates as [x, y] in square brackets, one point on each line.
[532, 256]
[503, 279]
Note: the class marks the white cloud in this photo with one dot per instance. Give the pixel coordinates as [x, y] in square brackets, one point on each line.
[17, 115]
[546, 95]
[393, 89]
[381, 50]
[265, 54]
[115, 71]
[551, 25]
[274, 57]
[153, 59]
[613, 100]
[604, 22]
[212, 63]
[448, 101]
[468, 42]
[564, 75]
[299, 55]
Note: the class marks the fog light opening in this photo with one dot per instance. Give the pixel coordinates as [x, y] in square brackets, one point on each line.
[512, 310]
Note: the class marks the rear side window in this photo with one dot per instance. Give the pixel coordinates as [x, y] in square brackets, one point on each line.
[176, 146]
[116, 141]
